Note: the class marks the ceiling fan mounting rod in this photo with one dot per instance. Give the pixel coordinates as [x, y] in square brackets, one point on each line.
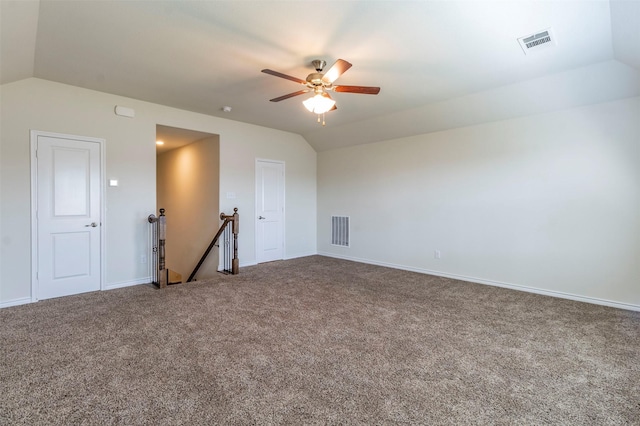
[319, 64]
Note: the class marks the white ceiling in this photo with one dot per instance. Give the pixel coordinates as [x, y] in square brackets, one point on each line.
[440, 64]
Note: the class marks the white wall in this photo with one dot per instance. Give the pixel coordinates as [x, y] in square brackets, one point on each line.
[549, 202]
[238, 163]
[130, 157]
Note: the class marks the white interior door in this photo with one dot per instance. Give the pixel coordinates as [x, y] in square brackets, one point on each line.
[269, 211]
[68, 215]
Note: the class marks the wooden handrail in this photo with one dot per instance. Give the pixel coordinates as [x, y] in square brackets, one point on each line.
[235, 219]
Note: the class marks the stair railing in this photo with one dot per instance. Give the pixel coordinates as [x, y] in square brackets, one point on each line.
[229, 230]
[158, 241]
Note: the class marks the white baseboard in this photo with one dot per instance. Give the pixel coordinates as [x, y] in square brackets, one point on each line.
[297, 255]
[552, 293]
[25, 300]
[15, 302]
[122, 284]
[286, 257]
[241, 265]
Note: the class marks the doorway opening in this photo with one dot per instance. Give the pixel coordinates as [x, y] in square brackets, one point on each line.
[188, 188]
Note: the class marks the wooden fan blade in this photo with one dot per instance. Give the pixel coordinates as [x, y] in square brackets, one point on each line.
[290, 95]
[288, 77]
[366, 90]
[336, 70]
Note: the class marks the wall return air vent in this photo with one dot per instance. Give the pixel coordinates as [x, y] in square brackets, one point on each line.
[541, 40]
[340, 231]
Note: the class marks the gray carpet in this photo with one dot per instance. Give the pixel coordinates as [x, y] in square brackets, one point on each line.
[318, 341]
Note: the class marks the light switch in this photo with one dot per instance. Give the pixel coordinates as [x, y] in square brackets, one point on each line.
[113, 182]
[231, 195]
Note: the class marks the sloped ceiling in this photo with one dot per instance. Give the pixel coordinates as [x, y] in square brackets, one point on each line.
[440, 64]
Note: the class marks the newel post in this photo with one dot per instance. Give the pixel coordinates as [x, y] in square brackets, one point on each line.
[235, 263]
[159, 235]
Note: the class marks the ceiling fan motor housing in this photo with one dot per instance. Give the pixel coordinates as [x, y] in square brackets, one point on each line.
[315, 78]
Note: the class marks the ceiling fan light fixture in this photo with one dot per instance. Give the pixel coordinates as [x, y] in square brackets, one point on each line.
[319, 104]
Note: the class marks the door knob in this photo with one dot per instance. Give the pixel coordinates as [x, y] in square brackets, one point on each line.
[261, 217]
[93, 225]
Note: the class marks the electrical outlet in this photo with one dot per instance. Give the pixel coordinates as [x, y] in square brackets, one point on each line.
[437, 254]
[143, 258]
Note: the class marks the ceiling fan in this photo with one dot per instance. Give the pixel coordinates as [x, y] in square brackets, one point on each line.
[320, 83]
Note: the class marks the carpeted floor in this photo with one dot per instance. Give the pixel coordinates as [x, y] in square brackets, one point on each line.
[318, 341]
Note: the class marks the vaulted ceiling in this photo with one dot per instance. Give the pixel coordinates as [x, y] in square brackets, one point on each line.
[440, 64]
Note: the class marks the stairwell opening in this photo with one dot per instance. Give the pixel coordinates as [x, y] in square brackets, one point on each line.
[188, 188]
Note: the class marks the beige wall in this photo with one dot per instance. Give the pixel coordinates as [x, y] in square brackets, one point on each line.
[188, 180]
[35, 104]
[549, 202]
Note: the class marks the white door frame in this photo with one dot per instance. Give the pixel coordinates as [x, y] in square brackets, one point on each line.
[255, 204]
[34, 204]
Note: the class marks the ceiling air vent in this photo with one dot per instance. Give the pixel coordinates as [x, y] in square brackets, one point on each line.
[538, 41]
